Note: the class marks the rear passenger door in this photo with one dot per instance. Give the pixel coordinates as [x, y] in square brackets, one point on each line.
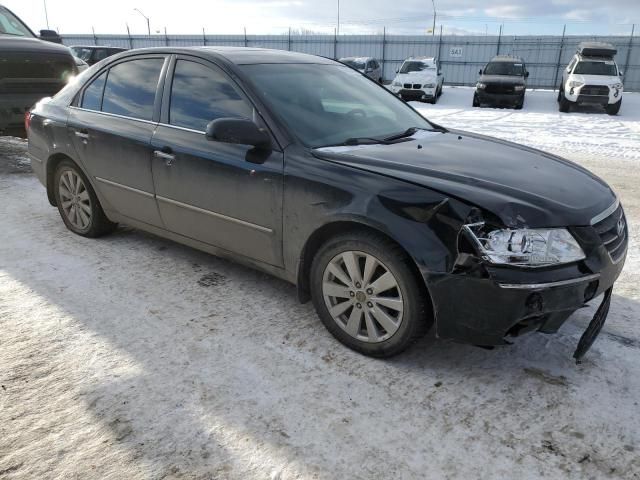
[111, 126]
[223, 194]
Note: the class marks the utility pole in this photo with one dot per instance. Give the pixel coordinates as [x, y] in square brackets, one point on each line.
[46, 15]
[433, 29]
[338, 29]
[147, 19]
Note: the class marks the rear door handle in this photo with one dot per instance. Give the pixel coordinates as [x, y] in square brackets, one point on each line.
[82, 134]
[166, 155]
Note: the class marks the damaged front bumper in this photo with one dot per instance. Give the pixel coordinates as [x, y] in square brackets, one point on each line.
[484, 304]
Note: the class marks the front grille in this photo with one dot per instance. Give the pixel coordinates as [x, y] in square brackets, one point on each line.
[417, 85]
[407, 85]
[594, 90]
[499, 88]
[613, 233]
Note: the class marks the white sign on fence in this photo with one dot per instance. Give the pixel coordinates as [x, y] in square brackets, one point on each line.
[455, 52]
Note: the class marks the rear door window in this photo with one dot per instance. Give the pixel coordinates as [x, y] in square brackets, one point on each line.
[92, 97]
[200, 94]
[131, 88]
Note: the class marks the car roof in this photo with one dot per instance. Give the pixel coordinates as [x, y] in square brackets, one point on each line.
[96, 46]
[239, 55]
[356, 59]
[421, 59]
[507, 58]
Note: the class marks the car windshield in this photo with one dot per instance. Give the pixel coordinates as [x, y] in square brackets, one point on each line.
[504, 68]
[412, 66]
[11, 25]
[596, 68]
[357, 64]
[327, 104]
[82, 52]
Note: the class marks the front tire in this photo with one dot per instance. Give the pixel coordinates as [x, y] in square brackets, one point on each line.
[614, 108]
[564, 104]
[367, 295]
[77, 202]
[476, 102]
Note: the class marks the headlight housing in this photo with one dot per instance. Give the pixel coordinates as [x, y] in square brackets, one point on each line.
[518, 88]
[575, 84]
[617, 86]
[397, 84]
[526, 247]
[481, 86]
[429, 85]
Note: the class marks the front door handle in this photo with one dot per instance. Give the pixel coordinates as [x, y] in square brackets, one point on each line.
[166, 155]
[83, 134]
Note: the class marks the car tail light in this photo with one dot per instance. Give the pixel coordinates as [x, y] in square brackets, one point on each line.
[27, 121]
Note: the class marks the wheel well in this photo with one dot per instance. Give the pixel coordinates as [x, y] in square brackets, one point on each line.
[324, 233]
[52, 164]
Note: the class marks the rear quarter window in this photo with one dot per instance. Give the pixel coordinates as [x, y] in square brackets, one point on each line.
[92, 97]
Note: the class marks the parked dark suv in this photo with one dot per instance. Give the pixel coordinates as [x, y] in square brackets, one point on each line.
[502, 83]
[93, 53]
[30, 68]
[300, 166]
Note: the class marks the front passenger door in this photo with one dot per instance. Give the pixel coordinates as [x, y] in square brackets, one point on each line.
[223, 194]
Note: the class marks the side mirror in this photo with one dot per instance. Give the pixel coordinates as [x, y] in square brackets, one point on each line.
[526, 74]
[368, 70]
[238, 131]
[50, 36]
[621, 73]
[397, 71]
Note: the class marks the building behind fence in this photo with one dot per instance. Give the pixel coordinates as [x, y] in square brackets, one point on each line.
[460, 56]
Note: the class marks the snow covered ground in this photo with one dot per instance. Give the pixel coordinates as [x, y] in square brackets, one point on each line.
[586, 130]
[134, 357]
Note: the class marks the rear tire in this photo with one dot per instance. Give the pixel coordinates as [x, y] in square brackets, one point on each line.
[77, 202]
[367, 295]
[613, 109]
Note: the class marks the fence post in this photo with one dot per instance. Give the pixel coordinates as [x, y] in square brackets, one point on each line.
[499, 39]
[166, 38]
[204, 38]
[335, 44]
[439, 46]
[129, 36]
[245, 36]
[95, 39]
[384, 47]
[555, 79]
[626, 63]
[289, 40]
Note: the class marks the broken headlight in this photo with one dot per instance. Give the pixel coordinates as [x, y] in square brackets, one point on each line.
[525, 247]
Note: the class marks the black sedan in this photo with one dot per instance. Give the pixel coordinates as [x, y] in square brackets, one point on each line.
[301, 167]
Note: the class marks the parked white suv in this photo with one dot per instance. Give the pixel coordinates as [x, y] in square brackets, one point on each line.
[592, 77]
[419, 78]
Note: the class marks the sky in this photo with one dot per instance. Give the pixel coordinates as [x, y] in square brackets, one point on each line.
[533, 17]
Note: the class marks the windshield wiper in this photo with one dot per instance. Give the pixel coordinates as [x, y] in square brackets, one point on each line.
[365, 141]
[407, 133]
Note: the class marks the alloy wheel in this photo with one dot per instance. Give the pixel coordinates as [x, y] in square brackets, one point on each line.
[363, 296]
[75, 200]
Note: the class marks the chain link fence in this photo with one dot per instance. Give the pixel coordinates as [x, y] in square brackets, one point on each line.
[461, 56]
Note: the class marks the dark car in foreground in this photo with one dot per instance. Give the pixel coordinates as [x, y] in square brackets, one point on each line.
[502, 83]
[301, 167]
[92, 54]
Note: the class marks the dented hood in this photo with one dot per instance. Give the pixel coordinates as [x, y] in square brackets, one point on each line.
[524, 187]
